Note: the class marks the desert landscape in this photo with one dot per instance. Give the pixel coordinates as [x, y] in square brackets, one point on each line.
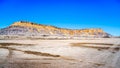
[59, 33]
[30, 45]
[82, 53]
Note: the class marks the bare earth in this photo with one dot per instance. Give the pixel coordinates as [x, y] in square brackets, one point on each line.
[84, 53]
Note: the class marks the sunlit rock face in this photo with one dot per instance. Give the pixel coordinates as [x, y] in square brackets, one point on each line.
[32, 29]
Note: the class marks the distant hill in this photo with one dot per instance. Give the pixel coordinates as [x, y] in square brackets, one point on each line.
[23, 28]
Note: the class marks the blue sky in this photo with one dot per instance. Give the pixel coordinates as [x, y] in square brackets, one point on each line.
[73, 14]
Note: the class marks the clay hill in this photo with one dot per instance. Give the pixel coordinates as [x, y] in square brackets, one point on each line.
[23, 28]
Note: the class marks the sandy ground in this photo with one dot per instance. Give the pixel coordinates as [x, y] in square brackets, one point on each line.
[89, 53]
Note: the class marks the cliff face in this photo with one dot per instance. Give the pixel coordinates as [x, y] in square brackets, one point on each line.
[28, 28]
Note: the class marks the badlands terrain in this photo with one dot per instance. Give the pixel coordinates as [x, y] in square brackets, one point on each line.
[23, 28]
[82, 53]
[30, 45]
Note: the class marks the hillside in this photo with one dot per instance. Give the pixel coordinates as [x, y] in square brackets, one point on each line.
[23, 28]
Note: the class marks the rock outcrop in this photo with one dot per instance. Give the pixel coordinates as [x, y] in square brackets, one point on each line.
[23, 28]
